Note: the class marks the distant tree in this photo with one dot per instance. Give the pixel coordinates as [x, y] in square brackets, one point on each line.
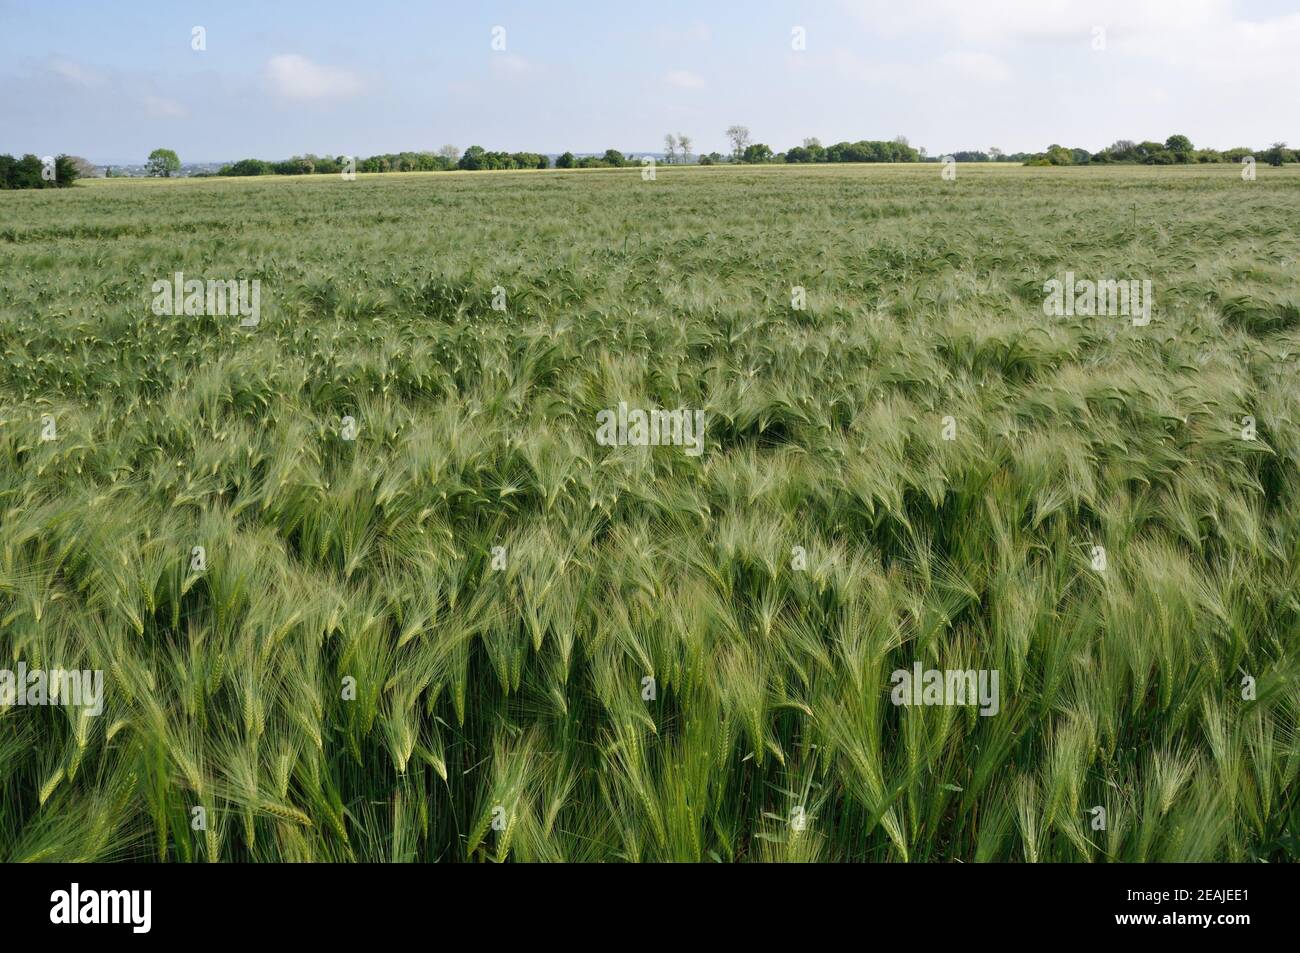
[739, 136]
[248, 167]
[614, 158]
[869, 150]
[713, 158]
[756, 153]
[24, 173]
[684, 141]
[1180, 147]
[996, 154]
[1149, 152]
[1121, 150]
[565, 161]
[450, 153]
[1276, 154]
[85, 168]
[1058, 155]
[162, 162]
[31, 172]
[670, 147]
[810, 151]
[474, 158]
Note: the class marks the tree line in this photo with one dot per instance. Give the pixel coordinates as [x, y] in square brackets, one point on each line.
[32, 172]
[677, 148]
[1176, 150]
[474, 159]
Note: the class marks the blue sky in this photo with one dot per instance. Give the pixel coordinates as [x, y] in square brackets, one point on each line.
[111, 81]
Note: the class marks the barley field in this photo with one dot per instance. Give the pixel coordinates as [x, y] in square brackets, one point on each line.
[434, 619]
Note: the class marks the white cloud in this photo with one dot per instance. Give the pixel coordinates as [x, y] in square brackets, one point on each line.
[76, 73]
[851, 67]
[95, 85]
[1237, 52]
[292, 76]
[1207, 37]
[979, 67]
[684, 79]
[1223, 70]
[1011, 22]
[160, 107]
[509, 64]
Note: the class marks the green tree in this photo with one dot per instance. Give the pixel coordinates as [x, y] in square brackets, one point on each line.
[246, 167]
[1180, 148]
[163, 162]
[1059, 155]
[758, 152]
[33, 172]
[67, 171]
[474, 158]
[1276, 154]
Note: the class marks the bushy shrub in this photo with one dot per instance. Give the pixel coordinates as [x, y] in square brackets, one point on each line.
[246, 167]
[27, 172]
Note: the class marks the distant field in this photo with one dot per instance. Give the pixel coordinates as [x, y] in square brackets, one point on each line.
[432, 615]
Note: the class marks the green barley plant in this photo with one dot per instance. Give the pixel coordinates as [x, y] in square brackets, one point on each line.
[463, 630]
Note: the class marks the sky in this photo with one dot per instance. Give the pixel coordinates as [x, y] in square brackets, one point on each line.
[111, 81]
